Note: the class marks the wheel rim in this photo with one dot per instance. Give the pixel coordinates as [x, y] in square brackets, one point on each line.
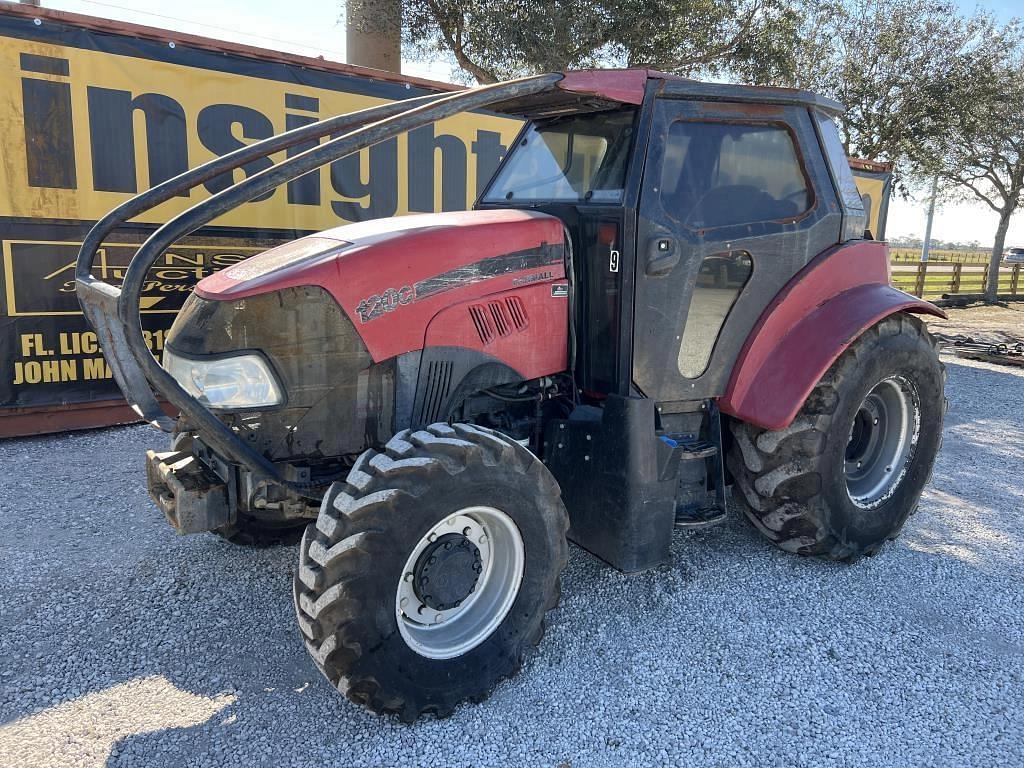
[460, 582]
[882, 441]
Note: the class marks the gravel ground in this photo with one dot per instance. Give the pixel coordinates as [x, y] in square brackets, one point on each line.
[125, 644]
[988, 323]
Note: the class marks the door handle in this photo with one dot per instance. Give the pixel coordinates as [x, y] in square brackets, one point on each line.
[662, 255]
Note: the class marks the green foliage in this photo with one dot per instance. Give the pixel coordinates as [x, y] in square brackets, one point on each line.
[980, 155]
[981, 151]
[939, 94]
[751, 39]
[901, 68]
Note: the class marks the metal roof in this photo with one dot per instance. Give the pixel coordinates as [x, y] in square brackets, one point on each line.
[628, 85]
[750, 94]
[595, 90]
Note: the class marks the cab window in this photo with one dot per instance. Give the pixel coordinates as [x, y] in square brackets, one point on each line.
[572, 159]
[719, 174]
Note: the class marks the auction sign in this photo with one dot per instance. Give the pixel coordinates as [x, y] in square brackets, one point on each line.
[93, 112]
[874, 182]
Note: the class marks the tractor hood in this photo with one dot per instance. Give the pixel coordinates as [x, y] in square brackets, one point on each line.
[390, 276]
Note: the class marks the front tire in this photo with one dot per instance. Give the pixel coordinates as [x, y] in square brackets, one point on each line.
[842, 479]
[429, 570]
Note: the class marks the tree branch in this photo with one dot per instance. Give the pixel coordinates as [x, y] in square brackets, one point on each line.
[977, 192]
[455, 43]
[716, 53]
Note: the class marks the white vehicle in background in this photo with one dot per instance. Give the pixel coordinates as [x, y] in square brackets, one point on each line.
[1014, 255]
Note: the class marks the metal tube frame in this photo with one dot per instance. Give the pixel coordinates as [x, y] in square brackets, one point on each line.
[114, 312]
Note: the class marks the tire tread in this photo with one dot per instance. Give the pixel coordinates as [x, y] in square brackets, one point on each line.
[776, 482]
[338, 550]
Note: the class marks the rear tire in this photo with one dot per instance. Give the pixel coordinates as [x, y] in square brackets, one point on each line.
[842, 479]
[386, 521]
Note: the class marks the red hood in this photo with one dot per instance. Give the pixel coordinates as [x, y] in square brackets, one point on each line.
[392, 275]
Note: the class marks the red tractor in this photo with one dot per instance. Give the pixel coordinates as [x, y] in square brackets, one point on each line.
[665, 288]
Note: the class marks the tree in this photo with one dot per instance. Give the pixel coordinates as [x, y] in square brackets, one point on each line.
[491, 41]
[893, 64]
[886, 60]
[938, 94]
[373, 34]
[981, 156]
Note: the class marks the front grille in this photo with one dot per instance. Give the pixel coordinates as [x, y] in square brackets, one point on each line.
[337, 400]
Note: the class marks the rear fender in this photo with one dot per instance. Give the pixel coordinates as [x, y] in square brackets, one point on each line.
[819, 313]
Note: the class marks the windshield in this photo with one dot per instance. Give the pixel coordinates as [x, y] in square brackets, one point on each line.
[570, 159]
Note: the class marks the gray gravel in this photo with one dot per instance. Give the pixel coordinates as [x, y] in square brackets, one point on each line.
[122, 643]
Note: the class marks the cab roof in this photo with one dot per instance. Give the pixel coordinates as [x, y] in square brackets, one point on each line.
[596, 90]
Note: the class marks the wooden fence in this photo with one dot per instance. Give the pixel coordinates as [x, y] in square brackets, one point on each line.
[903, 255]
[934, 279]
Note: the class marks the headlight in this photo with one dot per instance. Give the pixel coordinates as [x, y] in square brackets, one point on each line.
[239, 381]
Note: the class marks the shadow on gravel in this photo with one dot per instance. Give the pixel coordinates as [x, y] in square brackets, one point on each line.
[72, 734]
[173, 648]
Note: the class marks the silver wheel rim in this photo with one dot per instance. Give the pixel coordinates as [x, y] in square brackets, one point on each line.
[882, 440]
[441, 632]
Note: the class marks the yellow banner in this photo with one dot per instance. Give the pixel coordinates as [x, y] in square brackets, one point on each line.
[83, 130]
[874, 193]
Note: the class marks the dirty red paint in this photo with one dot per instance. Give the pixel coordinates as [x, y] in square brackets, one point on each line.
[393, 277]
[625, 85]
[539, 347]
[812, 321]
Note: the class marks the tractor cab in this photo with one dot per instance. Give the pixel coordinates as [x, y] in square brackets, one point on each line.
[673, 197]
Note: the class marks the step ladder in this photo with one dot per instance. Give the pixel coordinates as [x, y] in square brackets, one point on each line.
[700, 495]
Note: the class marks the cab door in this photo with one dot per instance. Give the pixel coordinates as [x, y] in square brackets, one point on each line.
[735, 199]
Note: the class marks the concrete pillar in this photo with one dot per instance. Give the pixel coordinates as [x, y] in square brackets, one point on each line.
[373, 35]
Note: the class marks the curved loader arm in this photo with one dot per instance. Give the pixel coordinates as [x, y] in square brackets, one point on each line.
[114, 312]
[100, 300]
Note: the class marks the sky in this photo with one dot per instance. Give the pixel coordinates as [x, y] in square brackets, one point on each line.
[314, 27]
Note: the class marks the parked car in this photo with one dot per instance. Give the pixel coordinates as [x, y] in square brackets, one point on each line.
[1014, 255]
